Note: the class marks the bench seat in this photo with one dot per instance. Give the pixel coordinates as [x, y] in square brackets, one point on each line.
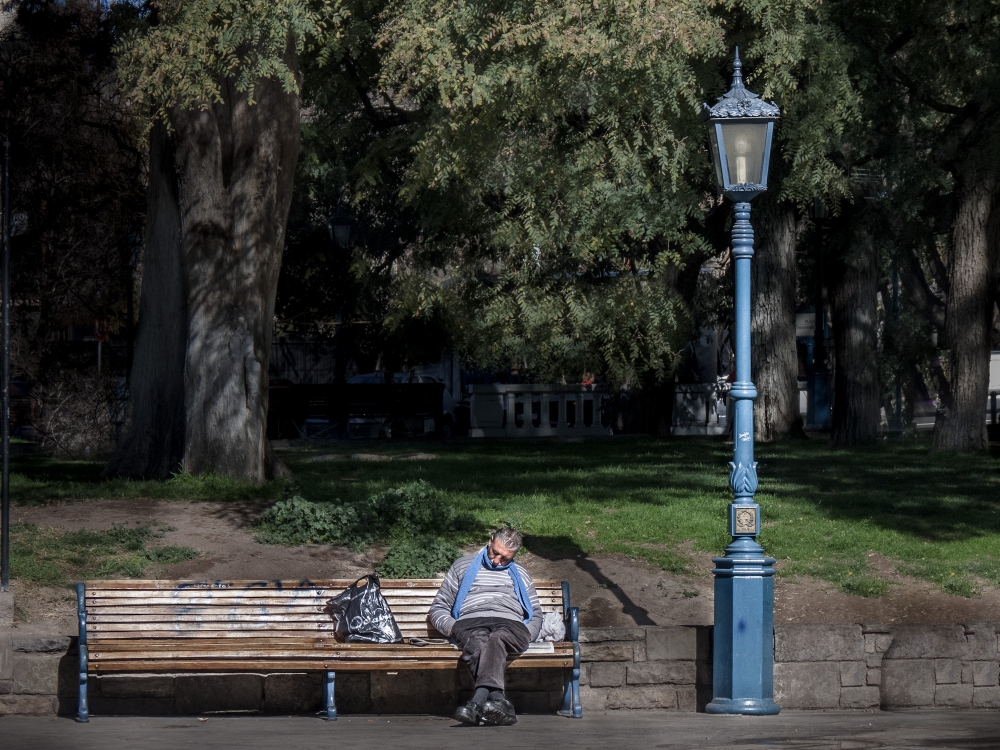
[279, 626]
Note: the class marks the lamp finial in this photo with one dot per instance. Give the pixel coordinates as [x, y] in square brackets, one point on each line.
[737, 71]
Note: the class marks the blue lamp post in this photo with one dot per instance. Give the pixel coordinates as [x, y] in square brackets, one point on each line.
[740, 128]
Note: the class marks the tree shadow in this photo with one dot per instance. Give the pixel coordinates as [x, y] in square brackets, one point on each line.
[564, 548]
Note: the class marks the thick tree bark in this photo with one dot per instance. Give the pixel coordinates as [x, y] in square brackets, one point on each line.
[772, 322]
[961, 423]
[853, 290]
[213, 254]
[154, 442]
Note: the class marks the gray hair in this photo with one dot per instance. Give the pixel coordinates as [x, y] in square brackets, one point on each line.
[508, 537]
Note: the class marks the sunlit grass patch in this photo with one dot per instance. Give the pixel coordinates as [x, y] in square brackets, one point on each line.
[56, 557]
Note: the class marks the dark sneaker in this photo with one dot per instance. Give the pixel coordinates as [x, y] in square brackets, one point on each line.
[468, 713]
[499, 713]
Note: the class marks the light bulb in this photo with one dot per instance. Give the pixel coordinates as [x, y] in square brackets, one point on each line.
[742, 148]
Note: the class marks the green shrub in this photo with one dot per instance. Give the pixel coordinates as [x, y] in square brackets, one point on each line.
[418, 557]
[413, 509]
[299, 521]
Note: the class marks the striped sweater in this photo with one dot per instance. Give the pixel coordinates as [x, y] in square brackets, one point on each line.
[492, 595]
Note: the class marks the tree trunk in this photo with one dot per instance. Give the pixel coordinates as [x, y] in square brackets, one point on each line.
[853, 290]
[961, 423]
[220, 192]
[772, 322]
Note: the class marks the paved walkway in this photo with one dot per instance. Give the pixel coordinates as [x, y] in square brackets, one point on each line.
[798, 730]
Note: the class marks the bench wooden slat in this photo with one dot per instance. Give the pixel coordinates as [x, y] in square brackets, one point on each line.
[296, 665]
[342, 583]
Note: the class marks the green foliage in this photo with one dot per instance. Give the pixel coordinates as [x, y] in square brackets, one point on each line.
[299, 521]
[414, 508]
[191, 51]
[54, 557]
[824, 511]
[418, 557]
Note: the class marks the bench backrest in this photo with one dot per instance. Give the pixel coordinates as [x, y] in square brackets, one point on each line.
[252, 609]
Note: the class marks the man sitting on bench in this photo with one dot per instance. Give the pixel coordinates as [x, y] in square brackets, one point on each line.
[488, 605]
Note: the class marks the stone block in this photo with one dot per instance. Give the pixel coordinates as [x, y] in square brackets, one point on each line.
[984, 673]
[593, 699]
[928, 642]
[799, 642]
[669, 644]
[907, 682]
[203, 693]
[34, 644]
[807, 685]
[607, 674]
[533, 701]
[102, 706]
[132, 686]
[953, 696]
[430, 691]
[294, 693]
[646, 696]
[869, 644]
[36, 674]
[967, 675]
[28, 705]
[704, 674]
[882, 643]
[6, 686]
[353, 692]
[982, 641]
[947, 671]
[639, 651]
[602, 635]
[986, 697]
[873, 661]
[859, 697]
[659, 673]
[875, 628]
[852, 673]
[687, 698]
[6, 659]
[6, 610]
[873, 677]
[606, 651]
[541, 680]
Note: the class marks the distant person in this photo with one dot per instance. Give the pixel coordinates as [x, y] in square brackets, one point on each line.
[488, 605]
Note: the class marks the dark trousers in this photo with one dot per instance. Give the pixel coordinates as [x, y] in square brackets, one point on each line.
[486, 644]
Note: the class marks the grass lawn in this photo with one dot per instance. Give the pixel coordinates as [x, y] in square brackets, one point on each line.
[823, 511]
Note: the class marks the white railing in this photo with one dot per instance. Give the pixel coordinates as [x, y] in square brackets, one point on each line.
[700, 409]
[500, 410]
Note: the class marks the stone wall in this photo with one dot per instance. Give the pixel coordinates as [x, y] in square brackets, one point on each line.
[824, 666]
[874, 666]
[666, 668]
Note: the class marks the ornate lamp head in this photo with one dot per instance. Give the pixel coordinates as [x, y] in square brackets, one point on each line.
[740, 128]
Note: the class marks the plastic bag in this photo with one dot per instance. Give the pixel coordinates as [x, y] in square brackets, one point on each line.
[362, 615]
[553, 628]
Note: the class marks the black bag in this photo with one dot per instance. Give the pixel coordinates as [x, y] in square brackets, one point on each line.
[362, 615]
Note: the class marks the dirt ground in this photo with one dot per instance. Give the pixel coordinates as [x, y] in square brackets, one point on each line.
[609, 589]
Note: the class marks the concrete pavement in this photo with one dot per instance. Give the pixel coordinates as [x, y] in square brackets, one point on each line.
[796, 730]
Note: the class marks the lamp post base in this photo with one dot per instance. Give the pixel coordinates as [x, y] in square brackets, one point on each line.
[743, 706]
[743, 669]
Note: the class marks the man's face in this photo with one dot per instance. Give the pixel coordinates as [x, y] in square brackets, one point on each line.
[498, 554]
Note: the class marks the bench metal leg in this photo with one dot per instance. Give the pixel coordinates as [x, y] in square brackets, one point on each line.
[331, 703]
[83, 712]
[567, 704]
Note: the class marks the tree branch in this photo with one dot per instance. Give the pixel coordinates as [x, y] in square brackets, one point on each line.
[920, 293]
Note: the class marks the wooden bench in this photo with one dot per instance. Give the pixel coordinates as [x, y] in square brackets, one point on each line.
[278, 626]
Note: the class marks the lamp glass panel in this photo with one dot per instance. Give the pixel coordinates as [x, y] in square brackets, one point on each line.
[342, 235]
[716, 156]
[745, 142]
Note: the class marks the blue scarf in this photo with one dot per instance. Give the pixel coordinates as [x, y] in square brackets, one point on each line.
[479, 562]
